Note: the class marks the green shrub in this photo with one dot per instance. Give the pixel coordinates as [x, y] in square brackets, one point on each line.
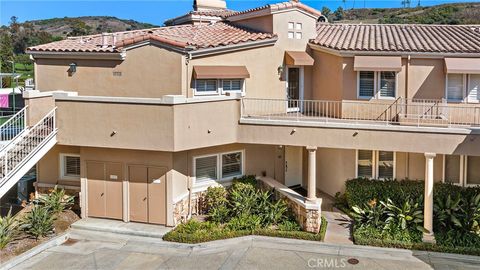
[456, 238]
[219, 214]
[246, 179]
[56, 201]
[242, 198]
[244, 222]
[407, 216]
[289, 225]
[371, 214]
[38, 222]
[215, 197]
[8, 228]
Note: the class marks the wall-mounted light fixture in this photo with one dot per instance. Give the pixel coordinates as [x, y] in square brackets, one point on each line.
[280, 70]
[73, 68]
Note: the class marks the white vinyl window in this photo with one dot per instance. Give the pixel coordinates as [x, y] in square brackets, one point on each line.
[473, 90]
[70, 166]
[291, 25]
[291, 35]
[365, 163]
[452, 169]
[206, 168]
[233, 85]
[376, 164]
[455, 87]
[366, 84]
[473, 170]
[231, 164]
[298, 26]
[221, 166]
[387, 84]
[386, 165]
[206, 87]
[380, 84]
[298, 35]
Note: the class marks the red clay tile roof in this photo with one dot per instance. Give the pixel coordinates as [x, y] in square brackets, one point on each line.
[399, 38]
[282, 6]
[182, 36]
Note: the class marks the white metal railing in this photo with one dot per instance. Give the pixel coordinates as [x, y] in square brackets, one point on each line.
[400, 111]
[13, 126]
[21, 149]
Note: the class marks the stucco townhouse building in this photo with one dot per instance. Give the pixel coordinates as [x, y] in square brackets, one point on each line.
[140, 123]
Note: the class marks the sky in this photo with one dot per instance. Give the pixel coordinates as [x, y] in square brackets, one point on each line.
[157, 11]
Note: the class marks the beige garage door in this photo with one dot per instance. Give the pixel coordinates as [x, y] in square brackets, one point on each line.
[147, 194]
[104, 184]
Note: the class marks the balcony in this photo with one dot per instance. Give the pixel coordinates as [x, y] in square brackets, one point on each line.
[400, 112]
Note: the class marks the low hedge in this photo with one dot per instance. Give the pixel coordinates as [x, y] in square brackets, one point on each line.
[360, 190]
[374, 238]
[219, 234]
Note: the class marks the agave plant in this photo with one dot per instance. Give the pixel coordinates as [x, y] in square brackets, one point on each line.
[8, 228]
[407, 216]
[38, 222]
[56, 201]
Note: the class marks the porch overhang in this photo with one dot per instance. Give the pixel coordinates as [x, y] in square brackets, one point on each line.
[220, 72]
[377, 63]
[462, 65]
[298, 58]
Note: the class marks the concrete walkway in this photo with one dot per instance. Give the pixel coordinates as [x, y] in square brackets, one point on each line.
[120, 227]
[339, 228]
[100, 250]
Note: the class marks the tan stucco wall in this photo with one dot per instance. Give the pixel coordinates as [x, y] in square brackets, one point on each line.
[426, 79]
[147, 71]
[48, 168]
[261, 24]
[327, 76]
[38, 108]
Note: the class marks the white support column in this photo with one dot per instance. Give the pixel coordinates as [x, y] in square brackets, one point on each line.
[312, 173]
[428, 198]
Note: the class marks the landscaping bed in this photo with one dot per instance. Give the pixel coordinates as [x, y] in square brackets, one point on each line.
[242, 209]
[38, 222]
[390, 214]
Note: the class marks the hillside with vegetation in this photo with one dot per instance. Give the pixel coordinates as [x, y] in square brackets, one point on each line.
[459, 13]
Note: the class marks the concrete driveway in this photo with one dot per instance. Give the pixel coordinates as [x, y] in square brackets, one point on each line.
[98, 250]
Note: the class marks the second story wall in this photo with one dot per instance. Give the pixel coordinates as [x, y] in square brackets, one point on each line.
[426, 78]
[147, 71]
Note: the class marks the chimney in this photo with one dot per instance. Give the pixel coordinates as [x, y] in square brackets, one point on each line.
[209, 4]
[105, 40]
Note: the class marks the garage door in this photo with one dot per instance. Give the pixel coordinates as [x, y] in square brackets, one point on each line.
[147, 194]
[104, 185]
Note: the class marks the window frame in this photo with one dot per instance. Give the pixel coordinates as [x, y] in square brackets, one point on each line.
[375, 163]
[461, 170]
[242, 86]
[465, 174]
[219, 166]
[464, 89]
[467, 88]
[62, 164]
[376, 85]
[206, 93]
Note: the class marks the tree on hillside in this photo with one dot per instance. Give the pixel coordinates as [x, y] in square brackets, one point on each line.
[6, 54]
[326, 11]
[339, 14]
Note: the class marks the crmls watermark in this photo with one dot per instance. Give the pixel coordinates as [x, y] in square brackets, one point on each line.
[327, 263]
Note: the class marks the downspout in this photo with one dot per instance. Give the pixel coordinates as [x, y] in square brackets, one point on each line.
[407, 76]
[188, 57]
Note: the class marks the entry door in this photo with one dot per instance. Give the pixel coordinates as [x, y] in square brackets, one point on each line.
[147, 193]
[96, 189]
[105, 189]
[157, 195]
[138, 193]
[293, 166]
[293, 88]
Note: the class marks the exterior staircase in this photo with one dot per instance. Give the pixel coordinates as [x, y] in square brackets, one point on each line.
[23, 146]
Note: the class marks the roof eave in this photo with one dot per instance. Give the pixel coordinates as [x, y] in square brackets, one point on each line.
[78, 55]
[233, 47]
[351, 53]
[265, 12]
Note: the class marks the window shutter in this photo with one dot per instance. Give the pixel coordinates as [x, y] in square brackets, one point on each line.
[387, 84]
[365, 163]
[231, 164]
[385, 165]
[206, 168]
[474, 88]
[455, 87]
[366, 84]
[452, 169]
[72, 166]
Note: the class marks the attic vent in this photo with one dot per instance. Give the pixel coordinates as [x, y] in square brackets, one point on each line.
[150, 32]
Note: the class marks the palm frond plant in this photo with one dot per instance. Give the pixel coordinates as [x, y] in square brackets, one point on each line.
[8, 229]
[371, 214]
[407, 216]
[38, 222]
[56, 201]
